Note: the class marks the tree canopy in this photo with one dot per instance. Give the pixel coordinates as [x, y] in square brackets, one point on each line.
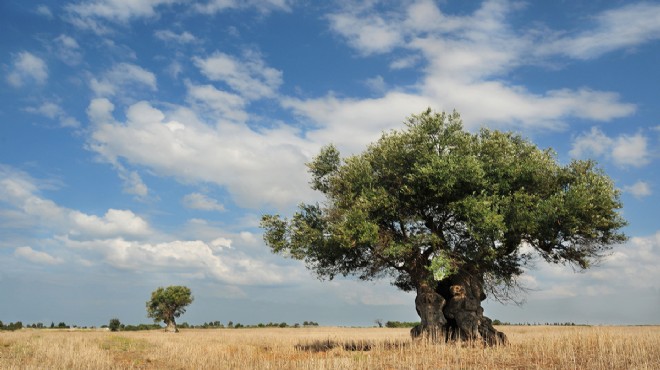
[434, 201]
[166, 304]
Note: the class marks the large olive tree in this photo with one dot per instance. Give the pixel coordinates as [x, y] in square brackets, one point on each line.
[168, 303]
[450, 215]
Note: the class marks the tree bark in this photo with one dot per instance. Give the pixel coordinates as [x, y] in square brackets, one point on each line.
[171, 326]
[465, 316]
[429, 304]
[452, 311]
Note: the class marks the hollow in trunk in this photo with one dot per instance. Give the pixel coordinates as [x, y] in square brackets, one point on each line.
[465, 316]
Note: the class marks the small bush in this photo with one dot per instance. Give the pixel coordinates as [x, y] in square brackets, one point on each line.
[114, 324]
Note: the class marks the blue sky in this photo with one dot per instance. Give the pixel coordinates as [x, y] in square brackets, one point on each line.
[141, 140]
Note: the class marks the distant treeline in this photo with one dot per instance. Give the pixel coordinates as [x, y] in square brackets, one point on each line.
[498, 322]
[19, 325]
[232, 325]
[401, 324]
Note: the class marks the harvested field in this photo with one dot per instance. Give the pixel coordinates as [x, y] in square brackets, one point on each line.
[537, 347]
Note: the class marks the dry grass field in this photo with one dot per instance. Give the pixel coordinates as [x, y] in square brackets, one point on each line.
[328, 348]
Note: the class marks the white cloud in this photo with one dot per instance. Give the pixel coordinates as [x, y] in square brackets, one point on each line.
[93, 15]
[405, 62]
[369, 35]
[250, 76]
[27, 67]
[19, 192]
[264, 6]
[55, 112]
[114, 222]
[630, 150]
[185, 257]
[466, 58]
[640, 189]
[255, 167]
[376, 84]
[201, 202]
[221, 243]
[182, 38]
[96, 15]
[37, 256]
[100, 111]
[44, 10]
[218, 103]
[595, 143]
[123, 76]
[122, 239]
[67, 50]
[133, 183]
[633, 264]
[623, 27]
[353, 123]
[624, 150]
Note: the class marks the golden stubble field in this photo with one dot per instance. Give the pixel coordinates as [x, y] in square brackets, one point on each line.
[536, 347]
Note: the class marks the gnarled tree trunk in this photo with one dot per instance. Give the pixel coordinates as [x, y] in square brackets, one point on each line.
[452, 311]
[171, 326]
[429, 306]
[465, 316]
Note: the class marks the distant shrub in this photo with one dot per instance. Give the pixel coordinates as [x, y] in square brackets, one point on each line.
[114, 324]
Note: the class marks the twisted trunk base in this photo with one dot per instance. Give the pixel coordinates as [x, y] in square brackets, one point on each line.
[452, 311]
[171, 326]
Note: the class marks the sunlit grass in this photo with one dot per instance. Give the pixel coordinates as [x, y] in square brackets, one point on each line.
[544, 347]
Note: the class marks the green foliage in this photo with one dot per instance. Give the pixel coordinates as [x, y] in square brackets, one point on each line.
[18, 325]
[140, 327]
[432, 200]
[168, 303]
[401, 324]
[114, 324]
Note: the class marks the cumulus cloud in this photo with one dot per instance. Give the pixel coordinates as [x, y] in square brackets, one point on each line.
[218, 104]
[19, 192]
[264, 6]
[640, 189]
[624, 27]
[122, 77]
[94, 15]
[201, 202]
[67, 50]
[26, 68]
[369, 35]
[250, 76]
[466, 59]
[133, 183]
[124, 240]
[624, 150]
[633, 264]
[257, 168]
[99, 15]
[205, 260]
[44, 11]
[38, 257]
[55, 112]
[352, 123]
[631, 150]
[182, 38]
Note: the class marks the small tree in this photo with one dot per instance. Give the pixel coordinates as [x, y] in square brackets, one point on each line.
[449, 215]
[166, 304]
[114, 324]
